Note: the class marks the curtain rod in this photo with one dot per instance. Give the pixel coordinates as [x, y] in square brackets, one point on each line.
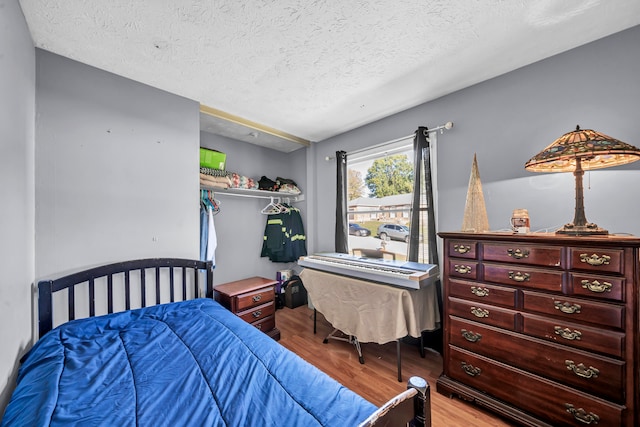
[440, 128]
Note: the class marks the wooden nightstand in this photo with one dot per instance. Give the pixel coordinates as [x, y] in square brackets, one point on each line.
[253, 300]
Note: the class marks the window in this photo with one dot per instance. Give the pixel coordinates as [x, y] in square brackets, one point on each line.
[380, 184]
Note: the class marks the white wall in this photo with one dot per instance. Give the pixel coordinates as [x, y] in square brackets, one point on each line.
[17, 109]
[506, 121]
[116, 169]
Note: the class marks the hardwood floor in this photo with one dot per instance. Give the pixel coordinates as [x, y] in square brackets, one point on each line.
[376, 380]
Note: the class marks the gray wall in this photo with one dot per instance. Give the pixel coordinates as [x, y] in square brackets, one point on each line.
[17, 110]
[239, 224]
[506, 121]
[116, 169]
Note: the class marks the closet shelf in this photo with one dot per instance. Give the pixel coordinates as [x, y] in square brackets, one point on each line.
[256, 194]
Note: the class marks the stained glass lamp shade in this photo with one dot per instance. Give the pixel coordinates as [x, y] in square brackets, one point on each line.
[576, 151]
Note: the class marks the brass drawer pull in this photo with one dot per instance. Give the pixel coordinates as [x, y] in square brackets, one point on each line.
[462, 269]
[581, 415]
[257, 313]
[596, 286]
[519, 277]
[257, 298]
[479, 292]
[471, 370]
[259, 326]
[461, 249]
[518, 253]
[567, 333]
[567, 307]
[479, 312]
[595, 260]
[581, 370]
[470, 336]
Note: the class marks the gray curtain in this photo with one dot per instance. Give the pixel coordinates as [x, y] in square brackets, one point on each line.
[342, 226]
[422, 175]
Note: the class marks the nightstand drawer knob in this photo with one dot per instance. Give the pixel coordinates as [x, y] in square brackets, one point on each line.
[471, 370]
[581, 370]
[257, 298]
[470, 336]
[596, 286]
[595, 260]
[581, 415]
[257, 313]
[567, 307]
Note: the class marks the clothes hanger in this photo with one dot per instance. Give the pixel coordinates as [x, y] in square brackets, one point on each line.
[271, 209]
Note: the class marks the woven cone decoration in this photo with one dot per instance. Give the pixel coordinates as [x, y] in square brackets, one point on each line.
[475, 212]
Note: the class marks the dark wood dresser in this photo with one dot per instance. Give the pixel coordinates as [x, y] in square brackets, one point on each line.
[542, 328]
[253, 300]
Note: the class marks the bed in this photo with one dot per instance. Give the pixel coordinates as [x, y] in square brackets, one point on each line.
[180, 358]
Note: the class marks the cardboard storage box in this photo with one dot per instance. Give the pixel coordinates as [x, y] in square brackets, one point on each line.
[212, 159]
[295, 294]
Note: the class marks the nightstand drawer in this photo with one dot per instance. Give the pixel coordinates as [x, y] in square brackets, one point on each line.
[266, 325]
[252, 299]
[574, 309]
[256, 313]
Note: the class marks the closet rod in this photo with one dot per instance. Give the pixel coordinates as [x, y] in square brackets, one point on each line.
[219, 192]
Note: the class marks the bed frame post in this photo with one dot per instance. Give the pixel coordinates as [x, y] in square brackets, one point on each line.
[45, 307]
[421, 402]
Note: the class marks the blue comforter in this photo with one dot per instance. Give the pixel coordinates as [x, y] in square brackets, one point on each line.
[190, 363]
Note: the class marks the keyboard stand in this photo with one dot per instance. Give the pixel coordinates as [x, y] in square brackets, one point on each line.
[349, 338]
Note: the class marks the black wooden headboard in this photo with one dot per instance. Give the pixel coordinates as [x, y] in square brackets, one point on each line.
[46, 288]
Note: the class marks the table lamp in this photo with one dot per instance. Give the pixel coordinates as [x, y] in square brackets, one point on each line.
[573, 151]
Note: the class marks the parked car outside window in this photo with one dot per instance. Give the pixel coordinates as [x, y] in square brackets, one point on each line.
[358, 230]
[394, 231]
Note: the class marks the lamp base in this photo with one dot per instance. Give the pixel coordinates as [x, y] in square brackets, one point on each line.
[582, 230]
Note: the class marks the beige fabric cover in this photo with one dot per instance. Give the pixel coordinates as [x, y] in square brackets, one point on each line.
[369, 311]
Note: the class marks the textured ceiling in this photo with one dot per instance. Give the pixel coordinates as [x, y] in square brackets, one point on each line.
[314, 69]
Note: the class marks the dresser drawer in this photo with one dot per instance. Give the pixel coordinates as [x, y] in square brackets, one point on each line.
[254, 298]
[463, 249]
[547, 400]
[525, 277]
[595, 259]
[574, 335]
[483, 313]
[546, 256]
[481, 292]
[597, 375]
[256, 313]
[575, 309]
[603, 287]
[463, 269]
